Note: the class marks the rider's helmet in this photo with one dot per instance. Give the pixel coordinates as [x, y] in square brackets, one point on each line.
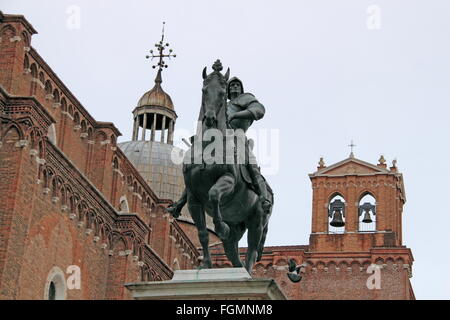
[234, 79]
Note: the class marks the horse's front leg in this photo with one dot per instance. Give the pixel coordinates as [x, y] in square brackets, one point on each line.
[197, 212]
[223, 186]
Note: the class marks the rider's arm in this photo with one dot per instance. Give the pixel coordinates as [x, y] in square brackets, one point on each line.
[245, 114]
[257, 110]
[254, 111]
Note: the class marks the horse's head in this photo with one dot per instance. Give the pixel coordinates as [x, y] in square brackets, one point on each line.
[214, 95]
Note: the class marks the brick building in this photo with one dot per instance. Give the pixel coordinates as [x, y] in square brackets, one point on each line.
[72, 199]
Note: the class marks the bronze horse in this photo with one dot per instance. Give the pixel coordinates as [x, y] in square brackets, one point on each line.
[218, 187]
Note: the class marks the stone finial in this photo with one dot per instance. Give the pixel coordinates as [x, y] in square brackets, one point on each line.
[394, 166]
[352, 145]
[321, 164]
[382, 162]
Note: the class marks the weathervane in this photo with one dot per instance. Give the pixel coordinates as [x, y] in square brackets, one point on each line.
[160, 48]
[351, 145]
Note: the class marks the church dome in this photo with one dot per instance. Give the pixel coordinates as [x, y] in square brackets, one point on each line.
[153, 161]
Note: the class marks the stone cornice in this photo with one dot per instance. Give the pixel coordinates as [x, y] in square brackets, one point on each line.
[372, 254]
[109, 125]
[155, 109]
[5, 18]
[377, 169]
[26, 105]
[177, 229]
[131, 221]
[403, 250]
[153, 260]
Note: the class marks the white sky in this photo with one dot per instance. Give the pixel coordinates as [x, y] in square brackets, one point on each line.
[324, 77]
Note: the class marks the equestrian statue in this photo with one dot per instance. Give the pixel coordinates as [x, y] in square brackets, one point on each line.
[220, 171]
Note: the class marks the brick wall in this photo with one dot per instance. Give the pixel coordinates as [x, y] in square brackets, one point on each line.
[62, 182]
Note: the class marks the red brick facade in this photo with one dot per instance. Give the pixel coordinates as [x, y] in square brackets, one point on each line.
[62, 177]
[63, 181]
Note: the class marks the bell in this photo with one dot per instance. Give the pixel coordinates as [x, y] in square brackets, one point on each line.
[367, 218]
[337, 219]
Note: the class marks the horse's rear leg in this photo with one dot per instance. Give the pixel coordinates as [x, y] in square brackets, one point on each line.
[261, 243]
[198, 215]
[232, 253]
[223, 186]
[231, 245]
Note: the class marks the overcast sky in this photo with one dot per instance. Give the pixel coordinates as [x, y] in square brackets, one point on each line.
[377, 72]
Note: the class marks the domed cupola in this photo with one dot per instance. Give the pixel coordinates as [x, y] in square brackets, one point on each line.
[151, 147]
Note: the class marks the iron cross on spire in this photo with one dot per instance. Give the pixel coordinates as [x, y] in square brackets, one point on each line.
[160, 46]
[351, 145]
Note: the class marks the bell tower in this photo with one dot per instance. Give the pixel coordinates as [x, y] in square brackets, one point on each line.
[355, 247]
[360, 202]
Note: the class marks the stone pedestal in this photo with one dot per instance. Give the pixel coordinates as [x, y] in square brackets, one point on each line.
[208, 284]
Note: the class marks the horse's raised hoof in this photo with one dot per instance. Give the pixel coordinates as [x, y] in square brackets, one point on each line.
[223, 231]
[174, 209]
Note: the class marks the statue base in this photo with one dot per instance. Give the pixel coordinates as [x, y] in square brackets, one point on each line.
[208, 284]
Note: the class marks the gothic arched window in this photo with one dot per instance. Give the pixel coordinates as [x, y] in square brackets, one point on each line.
[55, 288]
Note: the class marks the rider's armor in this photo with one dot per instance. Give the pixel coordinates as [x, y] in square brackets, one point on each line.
[247, 101]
